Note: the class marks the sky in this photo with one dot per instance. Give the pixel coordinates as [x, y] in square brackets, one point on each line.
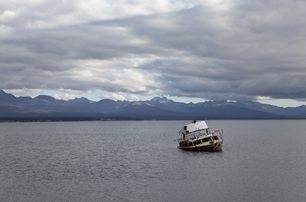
[189, 51]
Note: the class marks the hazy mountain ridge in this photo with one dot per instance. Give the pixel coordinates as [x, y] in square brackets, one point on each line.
[45, 107]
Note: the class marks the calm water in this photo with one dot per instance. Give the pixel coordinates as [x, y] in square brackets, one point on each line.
[139, 161]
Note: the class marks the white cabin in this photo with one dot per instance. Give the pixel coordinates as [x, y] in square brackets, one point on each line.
[195, 126]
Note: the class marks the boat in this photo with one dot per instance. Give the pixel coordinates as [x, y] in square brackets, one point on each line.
[197, 136]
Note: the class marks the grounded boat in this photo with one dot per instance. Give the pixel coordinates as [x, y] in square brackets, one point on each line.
[196, 136]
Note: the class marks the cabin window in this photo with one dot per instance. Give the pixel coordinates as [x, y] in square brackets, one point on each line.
[215, 138]
[206, 139]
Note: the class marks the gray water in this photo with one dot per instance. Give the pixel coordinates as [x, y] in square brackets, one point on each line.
[139, 161]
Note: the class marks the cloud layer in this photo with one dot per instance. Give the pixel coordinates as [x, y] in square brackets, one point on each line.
[218, 50]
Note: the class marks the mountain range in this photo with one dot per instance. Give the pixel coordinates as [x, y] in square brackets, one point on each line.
[45, 107]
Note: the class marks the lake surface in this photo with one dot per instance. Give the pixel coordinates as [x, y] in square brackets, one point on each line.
[139, 161]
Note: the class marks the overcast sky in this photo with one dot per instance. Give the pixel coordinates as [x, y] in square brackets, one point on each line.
[137, 49]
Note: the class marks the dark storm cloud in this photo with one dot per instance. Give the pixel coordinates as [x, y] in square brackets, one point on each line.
[240, 50]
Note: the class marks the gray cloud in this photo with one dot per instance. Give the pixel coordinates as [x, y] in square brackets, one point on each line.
[239, 50]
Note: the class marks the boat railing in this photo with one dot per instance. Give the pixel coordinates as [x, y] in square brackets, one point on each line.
[195, 134]
[201, 133]
[218, 133]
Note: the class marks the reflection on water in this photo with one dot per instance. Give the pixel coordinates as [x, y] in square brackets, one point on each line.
[139, 161]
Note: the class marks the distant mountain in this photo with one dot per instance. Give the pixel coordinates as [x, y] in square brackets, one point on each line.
[45, 107]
